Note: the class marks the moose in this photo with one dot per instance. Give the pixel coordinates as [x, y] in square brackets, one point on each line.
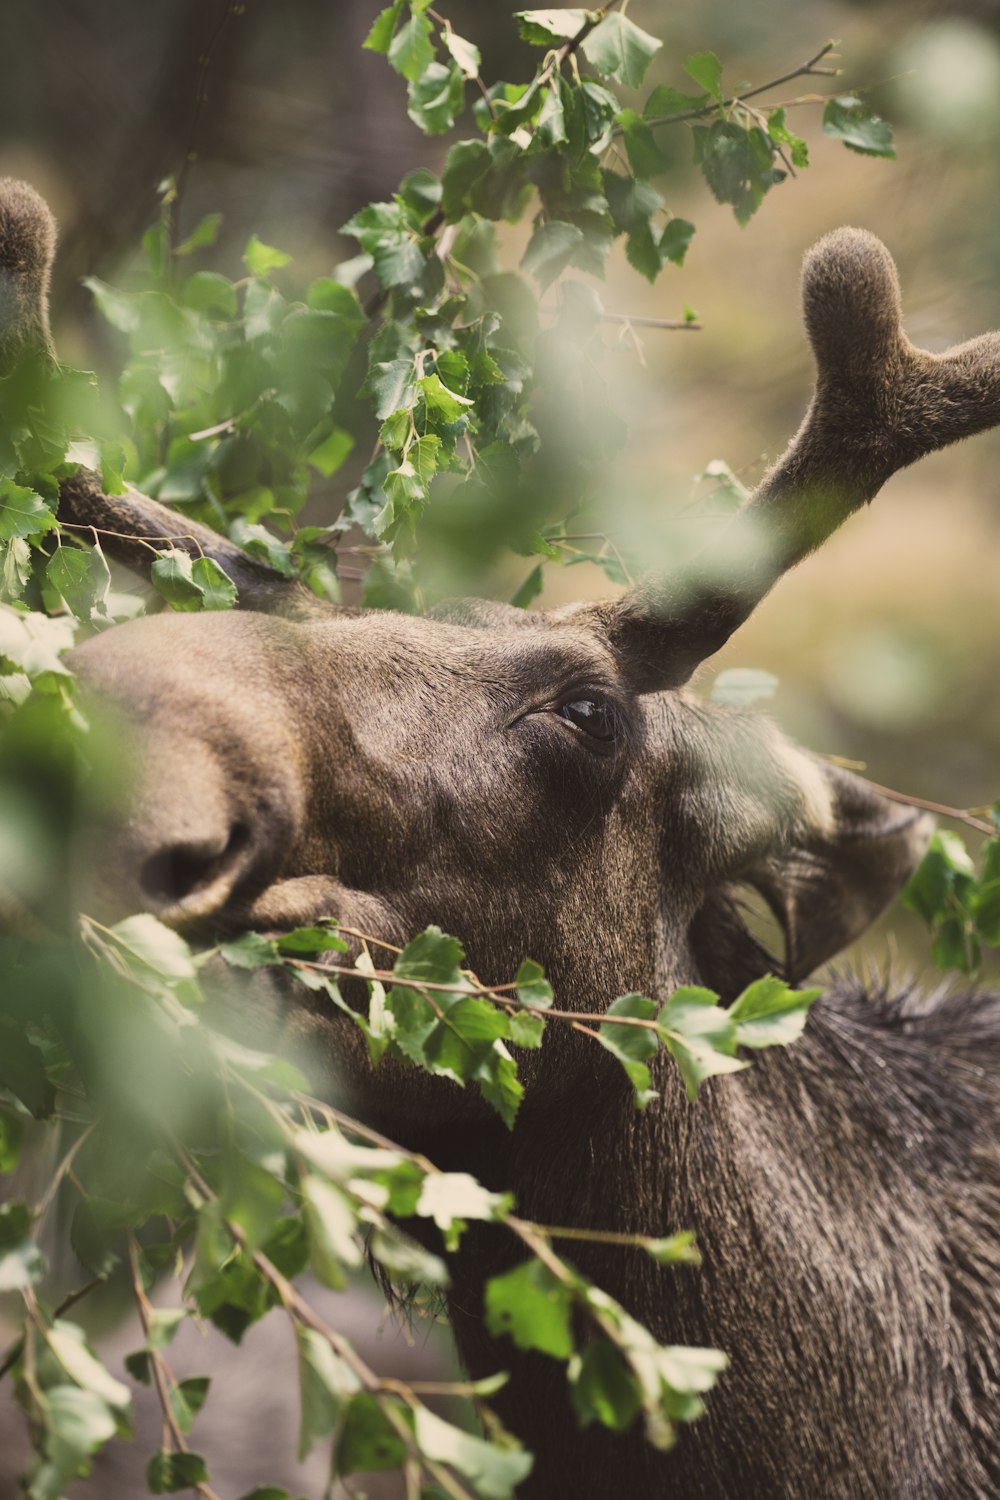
[541, 783]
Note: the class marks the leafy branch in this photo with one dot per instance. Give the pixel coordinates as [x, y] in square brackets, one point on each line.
[804, 70]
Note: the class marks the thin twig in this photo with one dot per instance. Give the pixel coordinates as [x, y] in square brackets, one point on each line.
[14, 1352]
[682, 325]
[45, 1202]
[301, 1312]
[162, 1376]
[960, 814]
[808, 69]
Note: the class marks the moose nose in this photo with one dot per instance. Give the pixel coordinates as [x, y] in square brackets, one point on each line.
[196, 872]
[190, 838]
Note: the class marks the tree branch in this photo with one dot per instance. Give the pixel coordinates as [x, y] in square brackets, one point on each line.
[806, 70]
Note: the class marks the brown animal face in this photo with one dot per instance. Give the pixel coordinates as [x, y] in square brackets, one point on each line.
[499, 777]
[536, 783]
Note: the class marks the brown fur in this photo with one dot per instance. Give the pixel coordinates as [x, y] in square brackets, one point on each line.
[393, 771]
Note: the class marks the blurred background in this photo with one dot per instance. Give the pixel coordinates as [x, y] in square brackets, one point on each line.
[886, 644]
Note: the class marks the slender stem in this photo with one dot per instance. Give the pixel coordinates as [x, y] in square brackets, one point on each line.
[679, 324]
[45, 1202]
[808, 69]
[162, 1376]
[960, 814]
[70, 1300]
[470, 988]
[301, 1312]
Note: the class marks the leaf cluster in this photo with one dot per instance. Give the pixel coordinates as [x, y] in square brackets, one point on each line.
[960, 908]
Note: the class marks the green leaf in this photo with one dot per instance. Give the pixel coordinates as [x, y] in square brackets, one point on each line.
[550, 122]
[644, 155]
[706, 70]
[424, 456]
[77, 1422]
[163, 1325]
[392, 387]
[676, 1250]
[495, 1472]
[525, 1030]
[632, 1045]
[532, 986]
[187, 1399]
[22, 1070]
[404, 1259]
[11, 1138]
[23, 513]
[529, 590]
[366, 1442]
[266, 1492]
[67, 1343]
[551, 249]
[15, 569]
[464, 166]
[447, 1197]
[172, 573]
[206, 233]
[262, 544]
[954, 945]
[769, 1013]
[603, 1388]
[987, 912]
[542, 27]
[217, 589]
[120, 309]
[139, 1366]
[436, 98]
[328, 455]
[410, 52]
[326, 1382]
[668, 101]
[311, 940]
[700, 1036]
[533, 1306]
[261, 259]
[466, 54]
[383, 28]
[81, 578]
[848, 120]
[676, 239]
[932, 883]
[170, 1472]
[445, 405]
[737, 164]
[620, 50]
[22, 1264]
[332, 1230]
[779, 131]
[150, 948]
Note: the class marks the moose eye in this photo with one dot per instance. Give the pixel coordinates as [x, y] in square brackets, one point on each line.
[596, 717]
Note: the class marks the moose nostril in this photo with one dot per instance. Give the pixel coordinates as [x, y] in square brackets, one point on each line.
[172, 875]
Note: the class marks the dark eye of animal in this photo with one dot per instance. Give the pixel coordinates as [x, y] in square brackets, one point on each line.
[594, 715]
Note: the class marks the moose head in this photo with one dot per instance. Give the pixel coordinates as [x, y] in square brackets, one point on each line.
[541, 783]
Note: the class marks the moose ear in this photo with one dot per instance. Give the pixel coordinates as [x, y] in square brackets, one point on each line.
[840, 874]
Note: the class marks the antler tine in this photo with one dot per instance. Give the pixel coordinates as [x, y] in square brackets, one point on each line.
[27, 248]
[130, 525]
[880, 403]
[133, 529]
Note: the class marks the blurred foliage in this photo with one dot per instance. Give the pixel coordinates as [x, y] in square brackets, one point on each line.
[186, 1152]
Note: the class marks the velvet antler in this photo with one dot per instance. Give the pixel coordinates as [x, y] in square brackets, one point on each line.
[880, 403]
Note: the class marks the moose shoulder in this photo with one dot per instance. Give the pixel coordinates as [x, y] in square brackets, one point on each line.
[541, 784]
